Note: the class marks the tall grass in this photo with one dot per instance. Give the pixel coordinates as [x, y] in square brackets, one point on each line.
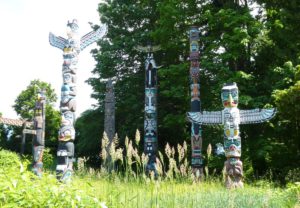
[126, 185]
[131, 163]
[182, 194]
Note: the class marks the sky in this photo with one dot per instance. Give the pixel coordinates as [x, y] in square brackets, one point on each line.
[25, 52]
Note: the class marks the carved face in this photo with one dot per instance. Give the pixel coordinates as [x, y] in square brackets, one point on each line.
[67, 78]
[194, 46]
[230, 95]
[65, 93]
[72, 28]
[41, 95]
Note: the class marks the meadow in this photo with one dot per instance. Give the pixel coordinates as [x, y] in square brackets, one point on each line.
[90, 188]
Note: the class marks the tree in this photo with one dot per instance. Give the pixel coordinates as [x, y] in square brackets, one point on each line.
[89, 129]
[24, 107]
[235, 46]
[129, 24]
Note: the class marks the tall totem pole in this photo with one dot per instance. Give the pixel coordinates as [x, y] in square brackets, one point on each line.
[196, 132]
[231, 117]
[109, 117]
[150, 119]
[71, 48]
[109, 120]
[38, 143]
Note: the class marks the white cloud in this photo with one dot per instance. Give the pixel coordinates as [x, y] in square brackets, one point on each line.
[26, 53]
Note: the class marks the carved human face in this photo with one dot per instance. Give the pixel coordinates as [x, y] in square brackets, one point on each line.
[65, 93]
[230, 95]
[67, 78]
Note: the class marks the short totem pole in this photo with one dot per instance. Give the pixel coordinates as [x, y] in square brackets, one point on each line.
[150, 120]
[38, 143]
[196, 132]
[71, 48]
[231, 117]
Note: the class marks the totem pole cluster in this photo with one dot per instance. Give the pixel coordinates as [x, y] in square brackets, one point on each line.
[150, 119]
[196, 132]
[38, 143]
[71, 48]
[231, 117]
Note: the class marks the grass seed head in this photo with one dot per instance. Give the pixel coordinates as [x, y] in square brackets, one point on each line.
[137, 137]
[105, 140]
[168, 150]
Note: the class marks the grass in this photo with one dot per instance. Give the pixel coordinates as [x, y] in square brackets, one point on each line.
[171, 194]
[90, 188]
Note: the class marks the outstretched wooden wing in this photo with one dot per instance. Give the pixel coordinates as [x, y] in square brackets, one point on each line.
[206, 117]
[92, 37]
[256, 115]
[147, 49]
[58, 42]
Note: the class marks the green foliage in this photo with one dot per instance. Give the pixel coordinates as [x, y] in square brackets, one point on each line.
[8, 159]
[252, 43]
[24, 107]
[20, 188]
[25, 102]
[88, 135]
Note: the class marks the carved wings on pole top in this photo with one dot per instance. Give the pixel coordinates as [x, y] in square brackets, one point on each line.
[57, 41]
[256, 115]
[205, 117]
[85, 41]
[147, 49]
[15, 122]
[92, 37]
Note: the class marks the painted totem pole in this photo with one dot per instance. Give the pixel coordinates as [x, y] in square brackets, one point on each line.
[38, 143]
[71, 48]
[150, 120]
[196, 132]
[231, 117]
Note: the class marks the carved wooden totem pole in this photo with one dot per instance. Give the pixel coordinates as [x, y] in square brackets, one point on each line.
[38, 143]
[150, 120]
[109, 121]
[109, 117]
[196, 132]
[231, 117]
[71, 48]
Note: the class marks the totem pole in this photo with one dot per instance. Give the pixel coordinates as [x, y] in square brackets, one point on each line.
[231, 117]
[38, 143]
[109, 117]
[71, 48]
[150, 120]
[196, 132]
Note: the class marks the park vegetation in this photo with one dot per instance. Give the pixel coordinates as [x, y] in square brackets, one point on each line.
[255, 43]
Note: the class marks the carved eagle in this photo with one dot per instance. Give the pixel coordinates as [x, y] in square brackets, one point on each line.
[85, 41]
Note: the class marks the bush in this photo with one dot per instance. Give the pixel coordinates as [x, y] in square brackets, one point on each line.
[9, 159]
